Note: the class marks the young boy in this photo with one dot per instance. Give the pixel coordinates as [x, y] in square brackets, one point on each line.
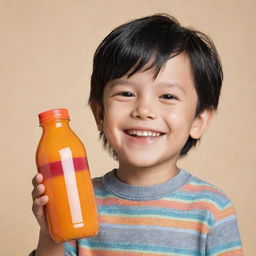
[154, 88]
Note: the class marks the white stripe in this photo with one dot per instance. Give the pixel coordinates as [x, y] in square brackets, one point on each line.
[71, 186]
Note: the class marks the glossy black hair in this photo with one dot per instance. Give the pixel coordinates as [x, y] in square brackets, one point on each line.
[129, 47]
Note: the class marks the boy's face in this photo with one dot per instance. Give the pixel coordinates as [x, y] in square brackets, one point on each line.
[146, 121]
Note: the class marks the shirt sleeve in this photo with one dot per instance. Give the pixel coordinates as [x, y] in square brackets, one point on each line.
[71, 248]
[224, 238]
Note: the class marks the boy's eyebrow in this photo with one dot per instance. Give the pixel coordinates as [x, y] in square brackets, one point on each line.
[128, 82]
[120, 82]
[176, 85]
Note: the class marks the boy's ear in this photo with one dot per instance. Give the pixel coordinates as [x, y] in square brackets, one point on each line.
[201, 123]
[97, 111]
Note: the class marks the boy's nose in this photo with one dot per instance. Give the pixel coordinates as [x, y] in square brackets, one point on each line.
[144, 110]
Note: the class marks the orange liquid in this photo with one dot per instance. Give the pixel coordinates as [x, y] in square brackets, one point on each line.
[61, 158]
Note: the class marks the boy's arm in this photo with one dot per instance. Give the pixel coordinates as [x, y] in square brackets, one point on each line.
[224, 238]
[47, 246]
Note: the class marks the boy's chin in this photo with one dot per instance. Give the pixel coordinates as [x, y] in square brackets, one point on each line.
[156, 160]
[141, 162]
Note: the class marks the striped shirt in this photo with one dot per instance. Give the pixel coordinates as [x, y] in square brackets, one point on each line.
[184, 216]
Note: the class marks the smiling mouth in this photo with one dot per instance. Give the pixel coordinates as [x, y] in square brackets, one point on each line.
[140, 133]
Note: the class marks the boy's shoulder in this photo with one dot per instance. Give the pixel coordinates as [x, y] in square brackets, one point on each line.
[201, 191]
[200, 185]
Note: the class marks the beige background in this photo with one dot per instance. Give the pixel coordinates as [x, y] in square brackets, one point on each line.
[46, 50]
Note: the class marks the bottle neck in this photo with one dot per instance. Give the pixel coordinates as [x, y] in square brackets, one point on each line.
[55, 124]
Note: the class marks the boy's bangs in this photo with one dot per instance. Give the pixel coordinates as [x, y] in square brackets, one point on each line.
[142, 50]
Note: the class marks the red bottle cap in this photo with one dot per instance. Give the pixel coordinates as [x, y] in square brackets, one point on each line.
[53, 114]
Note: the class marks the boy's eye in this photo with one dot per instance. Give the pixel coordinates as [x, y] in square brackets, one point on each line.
[168, 96]
[126, 94]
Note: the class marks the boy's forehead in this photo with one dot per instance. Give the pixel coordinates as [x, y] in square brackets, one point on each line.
[174, 73]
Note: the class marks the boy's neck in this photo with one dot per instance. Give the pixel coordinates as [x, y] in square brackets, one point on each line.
[145, 176]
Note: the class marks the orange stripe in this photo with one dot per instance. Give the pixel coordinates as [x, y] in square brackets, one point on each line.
[89, 252]
[196, 188]
[226, 212]
[161, 203]
[237, 252]
[200, 227]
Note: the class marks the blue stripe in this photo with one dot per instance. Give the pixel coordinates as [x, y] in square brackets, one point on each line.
[102, 193]
[69, 250]
[202, 193]
[217, 199]
[202, 182]
[144, 211]
[176, 212]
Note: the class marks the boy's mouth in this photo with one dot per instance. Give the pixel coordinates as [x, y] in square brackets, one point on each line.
[143, 133]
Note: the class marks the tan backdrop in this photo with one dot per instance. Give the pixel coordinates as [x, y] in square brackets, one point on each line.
[46, 50]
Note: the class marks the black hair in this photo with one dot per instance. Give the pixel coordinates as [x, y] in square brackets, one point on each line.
[129, 47]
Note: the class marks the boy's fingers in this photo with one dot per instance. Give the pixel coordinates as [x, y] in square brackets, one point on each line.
[38, 205]
[38, 191]
[37, 179]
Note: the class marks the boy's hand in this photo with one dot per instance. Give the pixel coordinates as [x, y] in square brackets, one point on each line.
[46, 245]
[39, 200]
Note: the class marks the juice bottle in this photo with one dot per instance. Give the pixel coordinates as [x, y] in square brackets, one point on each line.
[61, 158]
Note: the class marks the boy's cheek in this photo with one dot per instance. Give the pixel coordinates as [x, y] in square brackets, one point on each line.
[175, 119]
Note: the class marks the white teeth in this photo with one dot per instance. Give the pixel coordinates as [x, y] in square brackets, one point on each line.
[143, 133]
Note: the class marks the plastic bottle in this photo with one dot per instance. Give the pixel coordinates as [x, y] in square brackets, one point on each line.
[61, 158]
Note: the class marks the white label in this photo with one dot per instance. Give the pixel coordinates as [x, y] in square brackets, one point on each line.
[71, 186]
